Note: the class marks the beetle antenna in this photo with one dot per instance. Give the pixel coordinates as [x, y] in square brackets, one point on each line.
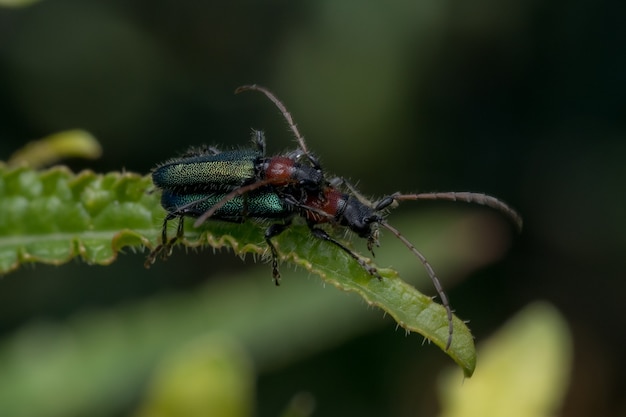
[431, 274]
[468, 197]
[283, 110]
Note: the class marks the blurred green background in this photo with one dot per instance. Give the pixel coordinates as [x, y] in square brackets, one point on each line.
[519, 99]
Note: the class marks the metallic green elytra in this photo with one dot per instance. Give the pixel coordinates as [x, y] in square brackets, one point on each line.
[202, 171]
[260, 204]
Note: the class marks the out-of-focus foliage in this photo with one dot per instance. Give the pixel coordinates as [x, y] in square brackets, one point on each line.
[522, 100]
[53, 148]
[16, 3]
[211, 376]
[524, 370]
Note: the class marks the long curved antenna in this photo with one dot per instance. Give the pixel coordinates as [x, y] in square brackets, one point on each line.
[468, 197]
[282, 109]
[431, 274]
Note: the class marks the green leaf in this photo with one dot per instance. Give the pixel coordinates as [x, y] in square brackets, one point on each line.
[411, 309]
[53, 216]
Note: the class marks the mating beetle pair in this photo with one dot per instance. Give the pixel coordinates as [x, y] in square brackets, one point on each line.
[241, 184]
[233, 186]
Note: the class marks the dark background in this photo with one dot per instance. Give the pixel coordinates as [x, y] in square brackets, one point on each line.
[519, 99]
